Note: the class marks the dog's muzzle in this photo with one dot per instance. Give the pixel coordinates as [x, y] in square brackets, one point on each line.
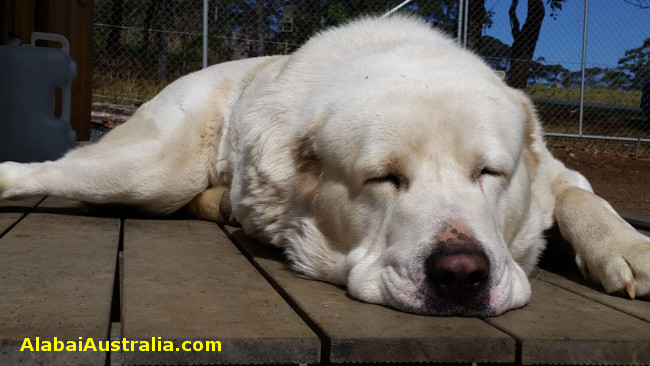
[457, 274]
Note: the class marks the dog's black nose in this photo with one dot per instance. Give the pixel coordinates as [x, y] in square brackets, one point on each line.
[458, 273]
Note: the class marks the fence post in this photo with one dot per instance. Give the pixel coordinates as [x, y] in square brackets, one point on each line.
[465, 23]
[459, 33]
[205, 33]
[584, 57]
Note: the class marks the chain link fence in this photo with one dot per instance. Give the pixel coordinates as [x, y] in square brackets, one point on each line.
[141, 45]
[586, 65]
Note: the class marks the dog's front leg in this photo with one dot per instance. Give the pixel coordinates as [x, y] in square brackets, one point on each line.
[608, 250]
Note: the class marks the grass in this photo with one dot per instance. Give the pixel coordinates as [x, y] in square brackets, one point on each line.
[595, 95]
[125, 89]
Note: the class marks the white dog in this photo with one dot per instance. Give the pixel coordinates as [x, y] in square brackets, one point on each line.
[380, 156]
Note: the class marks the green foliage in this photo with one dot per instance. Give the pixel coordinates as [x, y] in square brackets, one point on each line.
[637, 62]
[337, 14]
[556, 6]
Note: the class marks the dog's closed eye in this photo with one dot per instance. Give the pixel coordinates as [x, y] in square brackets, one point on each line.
[485, 169]
[483, 172]
[397, 180]
[490, 171]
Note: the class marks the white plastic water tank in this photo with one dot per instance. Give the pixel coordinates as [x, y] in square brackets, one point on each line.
[29, 76]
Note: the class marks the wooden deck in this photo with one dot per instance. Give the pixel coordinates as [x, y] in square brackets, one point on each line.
[74, 276]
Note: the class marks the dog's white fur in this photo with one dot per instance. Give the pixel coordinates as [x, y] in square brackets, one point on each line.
[357, 154]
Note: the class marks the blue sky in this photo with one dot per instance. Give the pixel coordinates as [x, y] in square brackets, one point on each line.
[613, 27]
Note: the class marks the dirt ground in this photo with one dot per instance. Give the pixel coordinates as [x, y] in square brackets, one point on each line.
[622, 178]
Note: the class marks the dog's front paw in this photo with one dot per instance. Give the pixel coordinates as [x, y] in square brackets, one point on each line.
[9, 179]
[622, 269]
[4, 180]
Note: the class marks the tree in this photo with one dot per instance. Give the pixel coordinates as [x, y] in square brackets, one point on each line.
[637, 62]
[495, 52]
[113, 42]
[525, 38]
[260, 29]
[642, 4]
[616, 80]
[477, 18]
[162, 9]
[442, 14]
[549, 75]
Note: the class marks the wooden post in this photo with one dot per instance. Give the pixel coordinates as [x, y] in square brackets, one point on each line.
[18, 17]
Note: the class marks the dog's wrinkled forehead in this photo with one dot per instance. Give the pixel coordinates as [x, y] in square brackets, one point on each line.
[413, 117]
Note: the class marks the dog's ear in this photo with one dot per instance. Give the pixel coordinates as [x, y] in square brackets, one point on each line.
[533, 138]
[307, 162]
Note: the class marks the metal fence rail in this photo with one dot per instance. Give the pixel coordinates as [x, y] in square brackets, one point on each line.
[586, 64]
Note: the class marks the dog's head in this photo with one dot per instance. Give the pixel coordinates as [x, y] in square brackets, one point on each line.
[414, 185]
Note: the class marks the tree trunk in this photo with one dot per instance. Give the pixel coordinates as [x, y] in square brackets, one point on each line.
[525, 40]
[260, 28]
[146, 39]
[113, 41]
[475, 18]
[163, 11]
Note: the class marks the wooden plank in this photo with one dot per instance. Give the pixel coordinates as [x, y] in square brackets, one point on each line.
[116, 335]
[8, 219]
[573, 281]
[67, 206]
[56, 280]
[12, 211]
[560, 327]
[22, 205]
[63, 206]
[185, 281]
[361, 332]
[569, 278]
